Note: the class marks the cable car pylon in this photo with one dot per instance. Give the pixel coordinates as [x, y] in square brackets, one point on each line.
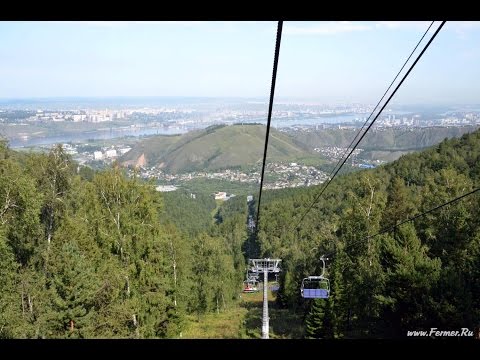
[265, 266]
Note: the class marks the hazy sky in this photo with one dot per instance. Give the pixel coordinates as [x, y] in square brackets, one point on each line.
[327, 61]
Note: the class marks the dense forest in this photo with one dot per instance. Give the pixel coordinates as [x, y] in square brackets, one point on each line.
[87, 254]
[422, 274]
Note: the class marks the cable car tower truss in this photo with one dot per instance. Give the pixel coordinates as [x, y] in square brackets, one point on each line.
[265, 266]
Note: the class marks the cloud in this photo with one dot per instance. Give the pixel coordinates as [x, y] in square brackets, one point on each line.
[403, 25]
[465, 25]
[181, 23]
[463, 28]
[119, 24]
[101, 24]
[326, 28]
[337, 27]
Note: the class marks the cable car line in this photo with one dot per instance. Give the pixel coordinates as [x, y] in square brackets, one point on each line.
[392, 228]
[270, 105]
[263, 265]
[379, 102]
[315, 200]
[318, 287]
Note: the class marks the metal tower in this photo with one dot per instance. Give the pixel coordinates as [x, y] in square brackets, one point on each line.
[265, 266]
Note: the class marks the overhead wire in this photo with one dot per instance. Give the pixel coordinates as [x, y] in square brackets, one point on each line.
[315, 200]
[392, 228]
[343, 160]
[269, 119]
[383, 96]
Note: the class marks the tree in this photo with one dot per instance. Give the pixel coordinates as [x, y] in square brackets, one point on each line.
[74, 284]
[19, 207]
[10, 314]
[202, 267]
[411, 274]
[314, 321]
[53, 174]
[399, 206]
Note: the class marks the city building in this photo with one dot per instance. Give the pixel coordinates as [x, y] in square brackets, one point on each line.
[111, 153]
[166, 188]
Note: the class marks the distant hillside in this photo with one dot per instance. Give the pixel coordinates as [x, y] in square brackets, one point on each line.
[216, 147]
[222, 146]
[381, 139]
[382, 144]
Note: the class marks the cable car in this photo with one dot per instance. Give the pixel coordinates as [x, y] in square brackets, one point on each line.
[248, 289]
[316, 287]
[250, 286]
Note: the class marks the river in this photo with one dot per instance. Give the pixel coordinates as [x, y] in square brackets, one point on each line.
[112, 133]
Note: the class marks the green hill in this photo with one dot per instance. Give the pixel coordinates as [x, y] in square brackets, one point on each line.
[219, 147]
[387, 144]
[216, 147]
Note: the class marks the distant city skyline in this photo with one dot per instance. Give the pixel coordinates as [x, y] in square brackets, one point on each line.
[327, 62]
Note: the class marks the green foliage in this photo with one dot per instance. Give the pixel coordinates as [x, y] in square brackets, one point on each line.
[20, 205]
[96, 254]
[410, 276]
[10, 316]
[190, 212]
[214, 281]
[99, 255]
[73, 284]
[314, 321]
[418, 275]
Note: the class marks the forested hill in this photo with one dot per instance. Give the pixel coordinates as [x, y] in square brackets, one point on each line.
[216, 147]
[86, 255]
[381, 139]
[423, 274]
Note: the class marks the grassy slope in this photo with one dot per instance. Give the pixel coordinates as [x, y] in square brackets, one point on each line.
[209, 186]
[217, 148]
[238, 146]
[245, 321]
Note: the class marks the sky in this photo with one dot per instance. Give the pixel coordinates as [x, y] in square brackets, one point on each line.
[327, 62]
